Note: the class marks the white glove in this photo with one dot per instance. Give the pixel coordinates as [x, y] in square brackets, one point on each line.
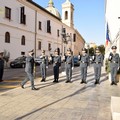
[47, 67]
[118, 68]
[72, 68]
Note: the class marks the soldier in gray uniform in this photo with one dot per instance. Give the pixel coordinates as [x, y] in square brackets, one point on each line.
[56, 65]
[98, 62]
[43, 65]
[29, 70]
[69, 65]
[1, 66]
[114, 64]
[84, 61]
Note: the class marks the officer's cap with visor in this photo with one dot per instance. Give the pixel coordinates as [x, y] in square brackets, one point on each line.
[84, 49]
[114, 47]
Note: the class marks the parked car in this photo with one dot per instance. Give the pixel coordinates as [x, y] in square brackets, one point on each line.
[18, 62]
[76, 61]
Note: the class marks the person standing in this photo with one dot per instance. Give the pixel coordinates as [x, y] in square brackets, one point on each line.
[1, 66]
[84, 61]
[43, 65]
[56, 65]
[98, 62]
[29, 69]
[69, 65]
[114, 64]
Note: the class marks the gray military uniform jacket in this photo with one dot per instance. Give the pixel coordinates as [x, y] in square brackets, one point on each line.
[29, 64]
[57, 61]
[114, 60]
[44, 60]
[98, 60]
[84, 60]
[69, 61]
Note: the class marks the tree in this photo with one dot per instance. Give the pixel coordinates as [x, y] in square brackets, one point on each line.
[102, 49]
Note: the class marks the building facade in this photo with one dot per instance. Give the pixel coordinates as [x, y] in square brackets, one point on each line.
[113, 20]
[25, 25]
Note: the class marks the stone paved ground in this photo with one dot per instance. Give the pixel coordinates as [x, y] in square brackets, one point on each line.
[62, 101]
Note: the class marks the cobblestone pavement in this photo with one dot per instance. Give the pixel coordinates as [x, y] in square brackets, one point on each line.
[62, 101]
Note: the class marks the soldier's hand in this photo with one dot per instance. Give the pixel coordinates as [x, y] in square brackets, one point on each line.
[72, 68]
[47, 67]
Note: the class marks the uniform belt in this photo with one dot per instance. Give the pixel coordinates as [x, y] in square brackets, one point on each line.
[68, 63]
[114, 62]
[83, 62]
[97, 62]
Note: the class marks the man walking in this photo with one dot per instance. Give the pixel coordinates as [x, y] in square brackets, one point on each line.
[29, 70]
[114, 64]
[84, 61]
[1, 66]
[43, 65]
[98, 62]
[69, 65]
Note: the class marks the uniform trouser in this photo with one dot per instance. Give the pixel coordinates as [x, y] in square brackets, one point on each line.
[69, 73]
[83, 73]
[30, 77]
[97, 71]
[113, 73]
[43, 71]
[1, 73]
[56, 72]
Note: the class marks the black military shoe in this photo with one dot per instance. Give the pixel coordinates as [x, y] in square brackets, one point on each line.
[66, 81]
[54, 81]
[96, 82]
[42, 80]
[82, 82]
[22, 86]
[115, 83]
[34, 88]
[112, 83]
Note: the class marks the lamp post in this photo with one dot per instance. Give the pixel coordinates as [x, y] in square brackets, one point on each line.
[65, 39]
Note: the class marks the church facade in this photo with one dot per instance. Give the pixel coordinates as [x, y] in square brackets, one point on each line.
[25, 25]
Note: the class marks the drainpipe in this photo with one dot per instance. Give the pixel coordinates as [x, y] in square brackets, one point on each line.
[35, 40]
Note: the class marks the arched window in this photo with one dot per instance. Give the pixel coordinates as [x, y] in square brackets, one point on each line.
[23, 40]
[66, 15]
[7, 37]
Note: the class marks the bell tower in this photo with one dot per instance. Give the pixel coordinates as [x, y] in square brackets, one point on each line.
[67, 13]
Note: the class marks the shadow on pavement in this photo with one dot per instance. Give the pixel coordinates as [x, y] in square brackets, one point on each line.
[81, 90]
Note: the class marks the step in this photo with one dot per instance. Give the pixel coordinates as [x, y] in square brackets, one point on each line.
[115, 108]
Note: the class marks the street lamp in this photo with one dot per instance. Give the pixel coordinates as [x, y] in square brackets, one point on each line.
[65, 38]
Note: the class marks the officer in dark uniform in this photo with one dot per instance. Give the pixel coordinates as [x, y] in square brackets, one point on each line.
[29, 70]
[69, 65]
[98, 62]
[84, 62]
[43, 65]
[1, 66]
[56, 65]
[114, 64]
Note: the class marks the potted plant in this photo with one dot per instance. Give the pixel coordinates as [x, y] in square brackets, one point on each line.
[118, 76]
[107, 69]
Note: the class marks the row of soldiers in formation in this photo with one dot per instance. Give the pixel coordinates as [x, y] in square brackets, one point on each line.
[69, 66]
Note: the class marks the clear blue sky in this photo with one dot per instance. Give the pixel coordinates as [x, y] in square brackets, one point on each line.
[89, 18]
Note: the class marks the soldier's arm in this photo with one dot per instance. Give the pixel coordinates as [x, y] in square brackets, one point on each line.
[47, 63]
[60, 61]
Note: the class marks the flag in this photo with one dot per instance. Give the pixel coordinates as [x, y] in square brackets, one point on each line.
[107, 35]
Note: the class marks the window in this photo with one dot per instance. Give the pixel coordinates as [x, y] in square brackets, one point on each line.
[40, 25]
[8, 13]
[22, 15]
[39, 45]
[23, 53]
[58, 33]
[66, 15]
[49, 46]
[7, 37]
[23, 40]
[48, 26]
[74, 37]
